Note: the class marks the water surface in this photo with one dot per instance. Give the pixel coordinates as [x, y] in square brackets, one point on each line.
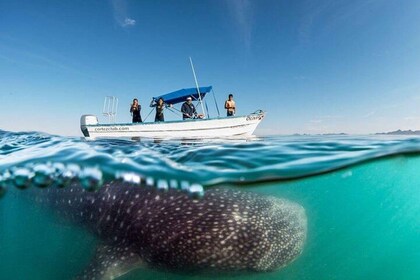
[361, 195]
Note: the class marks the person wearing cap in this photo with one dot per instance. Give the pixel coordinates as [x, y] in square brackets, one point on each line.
[188, 109]
[230, 106]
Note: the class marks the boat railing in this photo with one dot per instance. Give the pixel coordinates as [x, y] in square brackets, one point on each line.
[110, 108]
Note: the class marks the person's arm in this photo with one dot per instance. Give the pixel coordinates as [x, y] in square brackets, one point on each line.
[131, 109]
[153, 103]
[226, 105]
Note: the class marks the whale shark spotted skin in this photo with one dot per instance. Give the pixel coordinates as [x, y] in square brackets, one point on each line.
[226, 230]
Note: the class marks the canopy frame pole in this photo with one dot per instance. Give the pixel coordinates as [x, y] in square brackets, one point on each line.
[207, 109]
[215, 102]
[198, 89]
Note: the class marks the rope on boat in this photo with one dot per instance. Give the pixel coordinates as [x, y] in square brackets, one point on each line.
[181, 113]
[172, 109]
[148, 114]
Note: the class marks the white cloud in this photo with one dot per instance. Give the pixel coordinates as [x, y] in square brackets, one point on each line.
[121, 16]
[324, 118]
[369, 114]
[324, 124]
[411, 118]
[322, 18]
[243, 14]
[129, 22]
[315, 121]
[20, 52]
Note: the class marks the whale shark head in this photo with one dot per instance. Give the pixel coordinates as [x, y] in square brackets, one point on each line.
[225, 231]
[287, 235]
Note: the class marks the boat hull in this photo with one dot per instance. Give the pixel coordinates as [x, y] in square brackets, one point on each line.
[196, 128]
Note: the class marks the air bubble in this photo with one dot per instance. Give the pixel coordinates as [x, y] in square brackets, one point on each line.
[58, 167]
[196, 191]
[6, 178]
[22, 178]
[3, 186]
[173, 184]
[6, 182]
[60, 175]
[162, 185]
[43, 175]
[58, 170]
[185, 185]
[150, 182]
[91, 178]
[69, 175]
[130, 178]
[72, 170]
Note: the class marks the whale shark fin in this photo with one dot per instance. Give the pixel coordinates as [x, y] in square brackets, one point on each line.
[111, 262]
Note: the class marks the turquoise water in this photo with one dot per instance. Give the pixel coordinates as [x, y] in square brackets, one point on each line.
[361, 196]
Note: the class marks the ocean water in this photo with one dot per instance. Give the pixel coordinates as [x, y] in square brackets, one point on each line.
[361, 195]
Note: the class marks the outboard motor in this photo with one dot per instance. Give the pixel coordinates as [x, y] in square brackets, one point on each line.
[87, 120]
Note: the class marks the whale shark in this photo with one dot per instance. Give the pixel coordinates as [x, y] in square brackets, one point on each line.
[227, 230]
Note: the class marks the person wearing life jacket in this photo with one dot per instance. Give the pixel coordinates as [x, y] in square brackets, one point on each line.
[230, 106]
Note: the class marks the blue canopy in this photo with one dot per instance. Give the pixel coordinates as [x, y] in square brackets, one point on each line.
[182, 94]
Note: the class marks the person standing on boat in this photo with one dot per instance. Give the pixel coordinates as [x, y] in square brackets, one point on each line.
[135, 111]
[188, 109]
[230, 106]
[160, 106]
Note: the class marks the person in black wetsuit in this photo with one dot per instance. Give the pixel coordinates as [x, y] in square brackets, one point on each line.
[160, 106]
[135, 111]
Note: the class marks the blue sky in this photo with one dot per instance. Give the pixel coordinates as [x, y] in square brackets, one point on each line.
[314, 66]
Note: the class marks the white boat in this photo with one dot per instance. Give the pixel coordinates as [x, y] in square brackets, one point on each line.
[218, 127]
[185, 129]
[206, 127]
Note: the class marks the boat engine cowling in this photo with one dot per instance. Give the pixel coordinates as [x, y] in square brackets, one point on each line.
[87, 120]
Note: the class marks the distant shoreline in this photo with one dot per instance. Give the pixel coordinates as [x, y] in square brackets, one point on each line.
[319, 134]
[400, 132]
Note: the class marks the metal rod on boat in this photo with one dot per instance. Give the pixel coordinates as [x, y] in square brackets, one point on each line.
[116, 110]
[103, 110]
[109, 111]
[198, 88]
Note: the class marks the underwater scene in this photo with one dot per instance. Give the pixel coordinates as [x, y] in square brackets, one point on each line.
[281, 207]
